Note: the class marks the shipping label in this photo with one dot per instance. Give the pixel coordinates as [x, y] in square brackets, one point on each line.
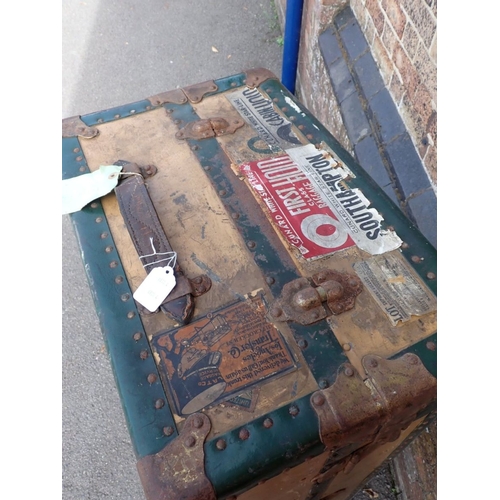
[222, 356]
[313, 208]
[396, 287]
[259, 112]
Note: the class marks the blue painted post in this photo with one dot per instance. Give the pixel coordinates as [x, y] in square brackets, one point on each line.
[293, 22]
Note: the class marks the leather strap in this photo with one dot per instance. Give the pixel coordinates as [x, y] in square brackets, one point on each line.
[146, 230]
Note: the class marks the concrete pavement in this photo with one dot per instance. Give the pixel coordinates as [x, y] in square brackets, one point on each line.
[116, 52]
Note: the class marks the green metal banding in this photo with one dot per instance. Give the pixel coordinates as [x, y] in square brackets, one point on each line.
[110, 115]
[266, 452]
[119, 321]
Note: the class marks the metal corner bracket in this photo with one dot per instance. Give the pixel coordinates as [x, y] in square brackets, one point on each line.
[359, 413]
[178, 471]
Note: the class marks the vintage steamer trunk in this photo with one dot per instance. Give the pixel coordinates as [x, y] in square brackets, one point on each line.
[297, 350]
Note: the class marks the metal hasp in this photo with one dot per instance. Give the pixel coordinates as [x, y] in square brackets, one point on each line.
[211, 127]
[178, 471]
[151, 243]
[357, 416]
[307, 301]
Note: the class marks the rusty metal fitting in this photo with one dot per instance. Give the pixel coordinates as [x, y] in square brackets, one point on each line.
[318, 399]
[144, 354]
[302, 343]
[348, 372]
[221, 444]
[294, 410]
[168, 431]
[190, 441]
[431, 346]
[268, 423]
[152, 378]
[244, 434]
[159, 403]
[197, 422]
[137, 336]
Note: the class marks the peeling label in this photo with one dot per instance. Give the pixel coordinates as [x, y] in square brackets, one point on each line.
[396, 287]
[313, 209]
[221, 356]
[273, 128]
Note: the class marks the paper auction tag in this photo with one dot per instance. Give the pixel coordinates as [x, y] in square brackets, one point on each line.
[83, 189]
[155, 288]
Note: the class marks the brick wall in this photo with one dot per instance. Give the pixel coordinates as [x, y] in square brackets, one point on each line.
[402, 35]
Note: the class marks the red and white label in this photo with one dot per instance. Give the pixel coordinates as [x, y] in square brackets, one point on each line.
[312, 208]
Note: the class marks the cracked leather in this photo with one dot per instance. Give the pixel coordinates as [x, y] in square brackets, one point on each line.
[143, 225]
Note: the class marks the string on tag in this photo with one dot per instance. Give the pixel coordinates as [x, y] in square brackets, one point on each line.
[171, 258]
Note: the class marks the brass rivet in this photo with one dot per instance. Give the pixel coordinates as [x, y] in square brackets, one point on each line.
[98, 220]
[431, 346]
[100, 120]
[301, 127]
[109, 249]
[349, 372]
[190, 441]
[431, 276]
[113, 264]
[168, 431]
[220, 444]
[76, 150]
[79, 158]
[117, 116]
[244, 434]
[159, 403]
[268, 423]
[323, 383]
[318, 399]
[416, 258]
[346, 347]
[270, 280]
[125, 297]
[284, 108]
[302, 343]
[222, 192]
[144, 354]
[294, 410]
[276, 312]
[197, 421]
[405, 245]
[131, 314]
[137, 336]
[104, 236]
[412, 359]
[132, 111]
[152, 378]
[235, 216]
[118, 280]
[82, 169]
[251, 244]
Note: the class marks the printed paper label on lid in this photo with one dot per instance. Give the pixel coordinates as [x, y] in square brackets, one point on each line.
[313, 208]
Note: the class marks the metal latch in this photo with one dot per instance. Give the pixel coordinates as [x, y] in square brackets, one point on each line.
[211, 127]
[307, 301]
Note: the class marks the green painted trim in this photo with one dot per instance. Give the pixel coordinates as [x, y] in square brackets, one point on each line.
[267, 452]
[113, 114]
[119, 320]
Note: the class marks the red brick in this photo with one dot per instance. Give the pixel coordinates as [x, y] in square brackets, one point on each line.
[430, 163]
[422, 18]
[410, 40]
[427, 71]
[396, 88]
[408, 73]
[395, 15]
[389, 39]
[383, 60]
[376, 14]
